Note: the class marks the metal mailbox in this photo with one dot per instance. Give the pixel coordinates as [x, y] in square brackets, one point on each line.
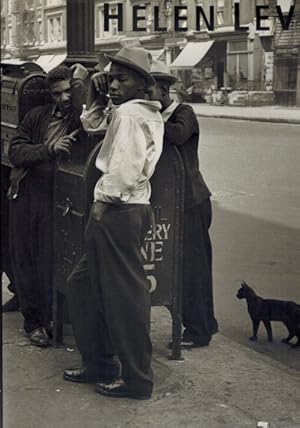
[23, 86]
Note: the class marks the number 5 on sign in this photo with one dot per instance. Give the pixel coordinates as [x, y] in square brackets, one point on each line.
[151, 278]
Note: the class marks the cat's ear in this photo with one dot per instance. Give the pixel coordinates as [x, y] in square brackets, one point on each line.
[243, 284]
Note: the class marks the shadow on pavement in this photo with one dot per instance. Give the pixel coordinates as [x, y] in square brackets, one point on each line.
[267, 256]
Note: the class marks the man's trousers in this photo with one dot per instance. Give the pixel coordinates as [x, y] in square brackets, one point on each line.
[198, 310]
[31, 250]
[114, 314]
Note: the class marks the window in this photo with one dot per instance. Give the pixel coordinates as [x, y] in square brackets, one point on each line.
[3, 32]
[10, 38]
[220, 12]
[238, 46]
[182, 13]
[57, 28]
[201, 3]
[28, 28]
[54, 29]
[113, 23]
[53, 2]
[50, 30]
[237, 64]
[29, 4]
[40, 31]
[285, 4]
[146, 14]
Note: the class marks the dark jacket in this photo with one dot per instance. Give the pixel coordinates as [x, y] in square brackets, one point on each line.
[182, 130]
[28, 153]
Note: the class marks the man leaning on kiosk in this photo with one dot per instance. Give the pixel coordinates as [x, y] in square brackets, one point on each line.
[44, 135]
[182, 130]
[108, 294]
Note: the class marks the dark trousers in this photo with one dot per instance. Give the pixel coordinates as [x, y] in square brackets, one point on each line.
[198, 311]
[31, 251]
[114, 316]
[88, 323]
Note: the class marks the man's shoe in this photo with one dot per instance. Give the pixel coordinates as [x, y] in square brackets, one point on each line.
[11, 305]
[189, 344]
[118, 389]
[80, 375]
[86, 375]
[38, 337]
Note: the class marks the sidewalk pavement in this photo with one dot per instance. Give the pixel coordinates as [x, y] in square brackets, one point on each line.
[262, 114]
[223, 385]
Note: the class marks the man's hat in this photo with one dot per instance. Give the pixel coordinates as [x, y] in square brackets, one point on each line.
[136, 58]
[160, 71]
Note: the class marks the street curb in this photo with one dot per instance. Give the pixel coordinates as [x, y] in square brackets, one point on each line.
[253, 119]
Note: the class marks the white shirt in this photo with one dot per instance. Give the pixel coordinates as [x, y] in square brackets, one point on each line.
[131, 148]
[167, 113]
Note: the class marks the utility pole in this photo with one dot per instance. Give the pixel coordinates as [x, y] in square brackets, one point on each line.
[81, 33]
[17, 11]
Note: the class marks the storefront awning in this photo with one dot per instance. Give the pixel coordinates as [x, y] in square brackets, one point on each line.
[191, 55]
[156, 54]
[48, 62]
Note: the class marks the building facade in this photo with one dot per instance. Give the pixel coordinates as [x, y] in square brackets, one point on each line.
[286, 45]
[217, 52]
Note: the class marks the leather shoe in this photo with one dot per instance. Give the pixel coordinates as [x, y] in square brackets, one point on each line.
[11, 305]
[189, 344]
[38, 337]
[85, 375]
[118, 389]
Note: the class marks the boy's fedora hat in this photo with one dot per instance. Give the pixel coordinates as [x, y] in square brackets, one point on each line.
[136, 58]
[160, 71]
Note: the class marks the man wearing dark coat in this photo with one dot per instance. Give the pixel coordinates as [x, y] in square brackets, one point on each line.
[43, 136]
[182, 130]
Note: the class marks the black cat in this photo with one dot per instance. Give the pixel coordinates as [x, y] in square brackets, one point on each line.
[267, 310]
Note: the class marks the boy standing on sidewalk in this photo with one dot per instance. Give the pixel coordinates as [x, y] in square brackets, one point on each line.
[112, 314]
[182, 130]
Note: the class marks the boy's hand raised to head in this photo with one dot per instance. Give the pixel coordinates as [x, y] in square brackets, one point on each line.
[100, 81]
[79, 71]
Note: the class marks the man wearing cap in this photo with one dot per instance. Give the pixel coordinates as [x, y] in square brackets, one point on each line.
[182, 130]
[112, 316]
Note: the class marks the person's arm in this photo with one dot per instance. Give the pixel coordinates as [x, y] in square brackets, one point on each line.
[95, 118]
[79, 94]
[79, 91]
[22, 151]
[186, 125]
[126, 163]
[98, 89]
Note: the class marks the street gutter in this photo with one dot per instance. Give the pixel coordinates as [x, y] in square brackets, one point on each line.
[253, 119]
